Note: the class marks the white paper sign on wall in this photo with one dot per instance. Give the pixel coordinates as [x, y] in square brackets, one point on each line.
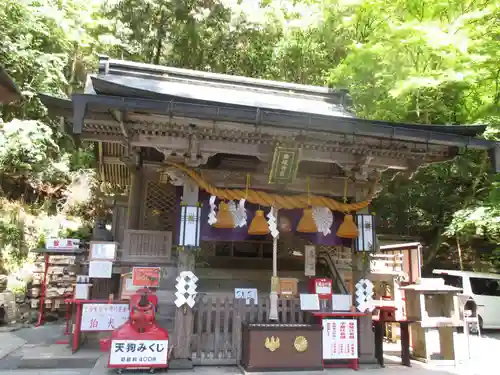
[138, 353]
[103, 250]
[340, 339]
[104, 316]
[248, 294]
[100, 269]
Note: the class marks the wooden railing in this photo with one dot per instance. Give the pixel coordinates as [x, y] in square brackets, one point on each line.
[145, 246]
[386, 263]
[216, 338]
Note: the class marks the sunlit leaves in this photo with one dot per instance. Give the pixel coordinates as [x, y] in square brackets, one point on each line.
[419, 61]
[28, 152]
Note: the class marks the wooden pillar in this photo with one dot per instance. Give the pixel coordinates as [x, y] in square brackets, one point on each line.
[135, 197]
[361, 271]
[183, 329]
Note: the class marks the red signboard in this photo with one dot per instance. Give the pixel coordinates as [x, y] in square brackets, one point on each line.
[146, 276]
[321, 287]
[62, 244]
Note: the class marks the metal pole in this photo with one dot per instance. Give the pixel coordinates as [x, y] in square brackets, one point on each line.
[43, 292]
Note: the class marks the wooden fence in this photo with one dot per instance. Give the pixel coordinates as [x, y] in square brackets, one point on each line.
[216, 338]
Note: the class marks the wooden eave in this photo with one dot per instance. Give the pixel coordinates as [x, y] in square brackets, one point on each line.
[164, 132]
[277, 120]
[183, 112]
[114, 171]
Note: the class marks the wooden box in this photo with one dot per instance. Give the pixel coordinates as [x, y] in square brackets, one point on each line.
[288, 288]
[272, 347]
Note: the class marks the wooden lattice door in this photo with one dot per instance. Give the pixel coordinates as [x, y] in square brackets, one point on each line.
[160, 207]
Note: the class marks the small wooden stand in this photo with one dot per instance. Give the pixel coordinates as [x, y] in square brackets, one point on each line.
[387, 317]
[329, 363]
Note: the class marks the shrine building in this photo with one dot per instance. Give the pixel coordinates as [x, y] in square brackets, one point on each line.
[237, 148]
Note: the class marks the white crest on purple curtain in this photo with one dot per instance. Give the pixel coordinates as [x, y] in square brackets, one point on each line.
[237, 214]
[323, 218]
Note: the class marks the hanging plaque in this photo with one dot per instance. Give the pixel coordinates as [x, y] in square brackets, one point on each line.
[310, 260]
[285, 165]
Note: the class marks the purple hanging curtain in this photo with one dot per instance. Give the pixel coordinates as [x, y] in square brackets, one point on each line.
[289, 218]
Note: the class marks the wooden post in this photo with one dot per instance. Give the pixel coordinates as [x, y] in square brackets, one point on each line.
[183, 329]
[184, 317]
[135, 197]
[366, 334]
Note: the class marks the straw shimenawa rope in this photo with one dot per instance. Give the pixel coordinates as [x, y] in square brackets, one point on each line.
[268, 199]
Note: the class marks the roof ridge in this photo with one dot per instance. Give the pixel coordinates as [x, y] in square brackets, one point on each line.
[113, 66]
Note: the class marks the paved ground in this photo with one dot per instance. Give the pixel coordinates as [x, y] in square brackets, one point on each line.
[43, 335]
[485, 354]
[235, 371]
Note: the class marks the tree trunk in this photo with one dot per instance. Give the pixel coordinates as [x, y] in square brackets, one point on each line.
[435, 248]
[159, 38]
[459, 248]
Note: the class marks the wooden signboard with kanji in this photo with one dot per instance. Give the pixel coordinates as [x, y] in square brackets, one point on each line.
[284, 165]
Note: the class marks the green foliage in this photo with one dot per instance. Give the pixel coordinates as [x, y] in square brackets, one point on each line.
[420, 61]
[29, 152]
[45, 46]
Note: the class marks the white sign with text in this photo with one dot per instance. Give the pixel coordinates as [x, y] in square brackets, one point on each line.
[104, 316]
[247, 294]
[61, 244]
[138, 353]
[340, 339]
[100, 269]
[103, 250]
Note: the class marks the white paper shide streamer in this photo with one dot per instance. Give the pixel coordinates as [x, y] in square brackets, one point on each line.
[186, 289]
[323, 218]
[272, 222]
[242, 214]
[231, 207]
[364, 295]
[212, 216]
